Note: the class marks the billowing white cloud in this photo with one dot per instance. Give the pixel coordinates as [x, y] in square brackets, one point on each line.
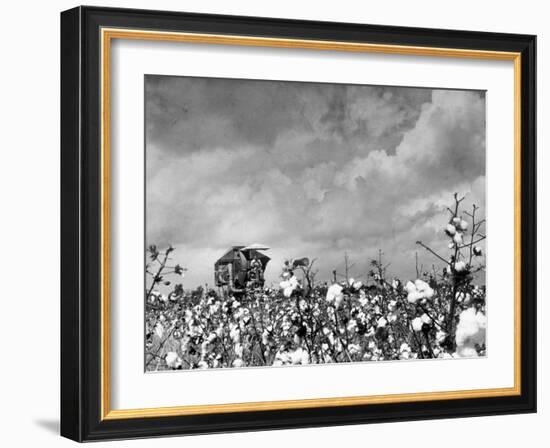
[309, 169]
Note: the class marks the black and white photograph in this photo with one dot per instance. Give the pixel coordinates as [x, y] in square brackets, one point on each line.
[294, 223]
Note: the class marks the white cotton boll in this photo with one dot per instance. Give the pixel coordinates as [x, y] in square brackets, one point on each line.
[457, 238]
[421, 285]
[352, 325]
[456, 221]
[463, 225]
[188, 315]
[333, 292]
[351, 281]
[418, 290]
[410, 287]
[235, 334]
[404, 347]
[413, 297]
[425, 289]
[450, 229]
[417, 324]
[467, 352]
[238, 362]
[460, 266]
[357, 285]
[477, 251]
[239, 349]
[425, 319]
[382, 322]
[288, 286]
[470, 331]
[173, 360]
[159, 330]
[299, 356]
[203, 364]
[287, 292]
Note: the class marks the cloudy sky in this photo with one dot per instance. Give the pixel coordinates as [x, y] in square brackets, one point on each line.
[309, 169]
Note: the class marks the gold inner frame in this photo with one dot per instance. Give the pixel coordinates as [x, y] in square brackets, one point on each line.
[107, 35]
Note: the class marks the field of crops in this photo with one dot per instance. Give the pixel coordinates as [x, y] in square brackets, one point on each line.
[440, 314]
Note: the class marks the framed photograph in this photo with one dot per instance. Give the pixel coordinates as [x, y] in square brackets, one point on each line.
[274, 223]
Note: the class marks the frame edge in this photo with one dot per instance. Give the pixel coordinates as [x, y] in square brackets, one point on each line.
[70, 130]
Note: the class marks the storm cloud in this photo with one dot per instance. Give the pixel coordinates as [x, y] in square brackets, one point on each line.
[309, 169]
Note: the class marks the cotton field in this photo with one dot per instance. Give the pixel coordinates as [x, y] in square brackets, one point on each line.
[304, 320]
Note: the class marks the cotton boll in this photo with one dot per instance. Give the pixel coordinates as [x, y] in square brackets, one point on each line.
[202, 364]
[413, 297]
[239, 349]
[425, 289]
[299, 356]
[288, 286]
[457, 238]
[477, 251]
[334, 292]
[460, 266]
[410, 287]
[456, 221]
[418, 290]
[470, 331]
[417, 324]
[425, 319]
[467, 352]
[159, 330]
[173, 360]
[450, 229]
[382, 322]
[352, 326]
[238, 362]
[405, 355]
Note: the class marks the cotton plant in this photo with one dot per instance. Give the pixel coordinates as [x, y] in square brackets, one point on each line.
[300, 320]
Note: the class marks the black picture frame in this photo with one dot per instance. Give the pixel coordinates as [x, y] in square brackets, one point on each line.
[81, 224]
